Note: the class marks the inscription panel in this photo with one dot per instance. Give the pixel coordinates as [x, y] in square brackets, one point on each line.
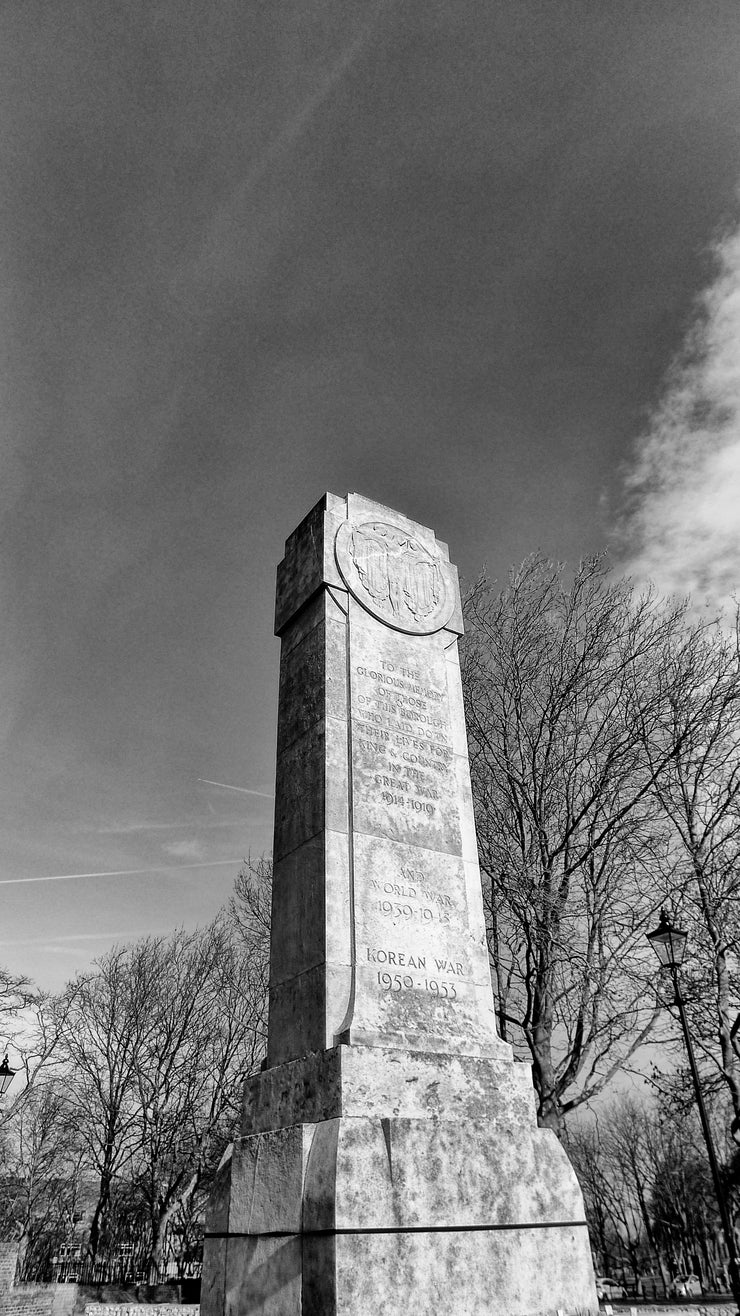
[421, 973]
[404, 778]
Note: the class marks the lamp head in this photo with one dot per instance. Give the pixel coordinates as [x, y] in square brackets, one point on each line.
[668, 942]
[6, 1075]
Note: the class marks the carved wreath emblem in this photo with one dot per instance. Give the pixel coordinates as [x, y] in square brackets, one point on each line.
[394, 575]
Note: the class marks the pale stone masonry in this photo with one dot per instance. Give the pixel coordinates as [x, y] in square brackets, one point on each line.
[389, 1158]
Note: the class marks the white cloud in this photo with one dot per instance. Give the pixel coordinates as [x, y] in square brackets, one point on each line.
[184, 849]
[682, 525]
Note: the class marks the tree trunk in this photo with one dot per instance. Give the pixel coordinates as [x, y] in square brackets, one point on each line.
[100, 1220]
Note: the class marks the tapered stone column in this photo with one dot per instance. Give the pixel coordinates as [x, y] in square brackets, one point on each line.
[389, 1159]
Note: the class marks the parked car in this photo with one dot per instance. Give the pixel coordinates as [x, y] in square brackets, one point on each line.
[685, 1286]
[606, 1288]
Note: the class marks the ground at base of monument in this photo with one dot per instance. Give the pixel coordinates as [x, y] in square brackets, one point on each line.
[701, 1307]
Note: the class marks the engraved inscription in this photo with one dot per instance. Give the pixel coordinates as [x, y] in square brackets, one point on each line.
[397, 983]
[422, 967]
[417, 970]
[402, 721]
[396, 911]
[398, 700]
[404, 903]
[380, 955]
[415, 908]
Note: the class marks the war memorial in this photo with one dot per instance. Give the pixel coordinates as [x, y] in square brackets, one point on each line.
[389, 1161]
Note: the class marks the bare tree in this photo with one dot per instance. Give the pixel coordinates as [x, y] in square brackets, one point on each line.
[698, 792]
[628, 1134]
[205, 1035]
[107, 1015]
[609, 1156]
[42, 1164]
[563, 680]
[157, 1043]
[248, 914]
[29, 1033]
[648, 1192]
[685, 1218]
[588, 1160]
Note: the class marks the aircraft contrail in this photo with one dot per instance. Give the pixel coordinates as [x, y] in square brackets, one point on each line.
[292, 130]
[120, 872]
[75, 936]
[242, 789]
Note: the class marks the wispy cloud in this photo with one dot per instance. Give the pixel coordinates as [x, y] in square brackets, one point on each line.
[180, 824]
[120, 872]
[184, 849]
[681, 528]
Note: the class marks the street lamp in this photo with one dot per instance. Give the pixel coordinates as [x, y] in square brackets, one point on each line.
[669, 944]
[6, 1075]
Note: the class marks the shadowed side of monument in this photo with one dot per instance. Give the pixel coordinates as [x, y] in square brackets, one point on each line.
[389, 1158]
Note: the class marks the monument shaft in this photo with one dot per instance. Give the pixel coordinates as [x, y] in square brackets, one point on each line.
[380, 937]
[389, 1159]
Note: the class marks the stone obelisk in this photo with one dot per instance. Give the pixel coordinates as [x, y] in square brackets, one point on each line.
[389, 1159]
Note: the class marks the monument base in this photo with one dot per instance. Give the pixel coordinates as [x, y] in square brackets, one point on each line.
[395, 1183]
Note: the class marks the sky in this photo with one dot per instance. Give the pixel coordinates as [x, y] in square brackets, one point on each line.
[479, 262]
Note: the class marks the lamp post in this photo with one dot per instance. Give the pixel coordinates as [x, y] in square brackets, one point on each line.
[669, 944]
[6, 1075]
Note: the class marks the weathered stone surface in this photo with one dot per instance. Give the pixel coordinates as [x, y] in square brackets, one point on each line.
[213, 1280]
[220, 1199]
[389, 1158]
[357, 1081]
[522, 1272]
[309, 564]
[263, 1275]
[350, 1190]
[267, 1181]
[375, 1174]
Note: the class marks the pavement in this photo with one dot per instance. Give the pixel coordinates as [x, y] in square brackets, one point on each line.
[696, 1307]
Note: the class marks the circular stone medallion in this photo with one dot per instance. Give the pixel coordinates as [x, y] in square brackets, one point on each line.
[394, 576]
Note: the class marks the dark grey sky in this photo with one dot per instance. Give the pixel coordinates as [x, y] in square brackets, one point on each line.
[440, 253]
